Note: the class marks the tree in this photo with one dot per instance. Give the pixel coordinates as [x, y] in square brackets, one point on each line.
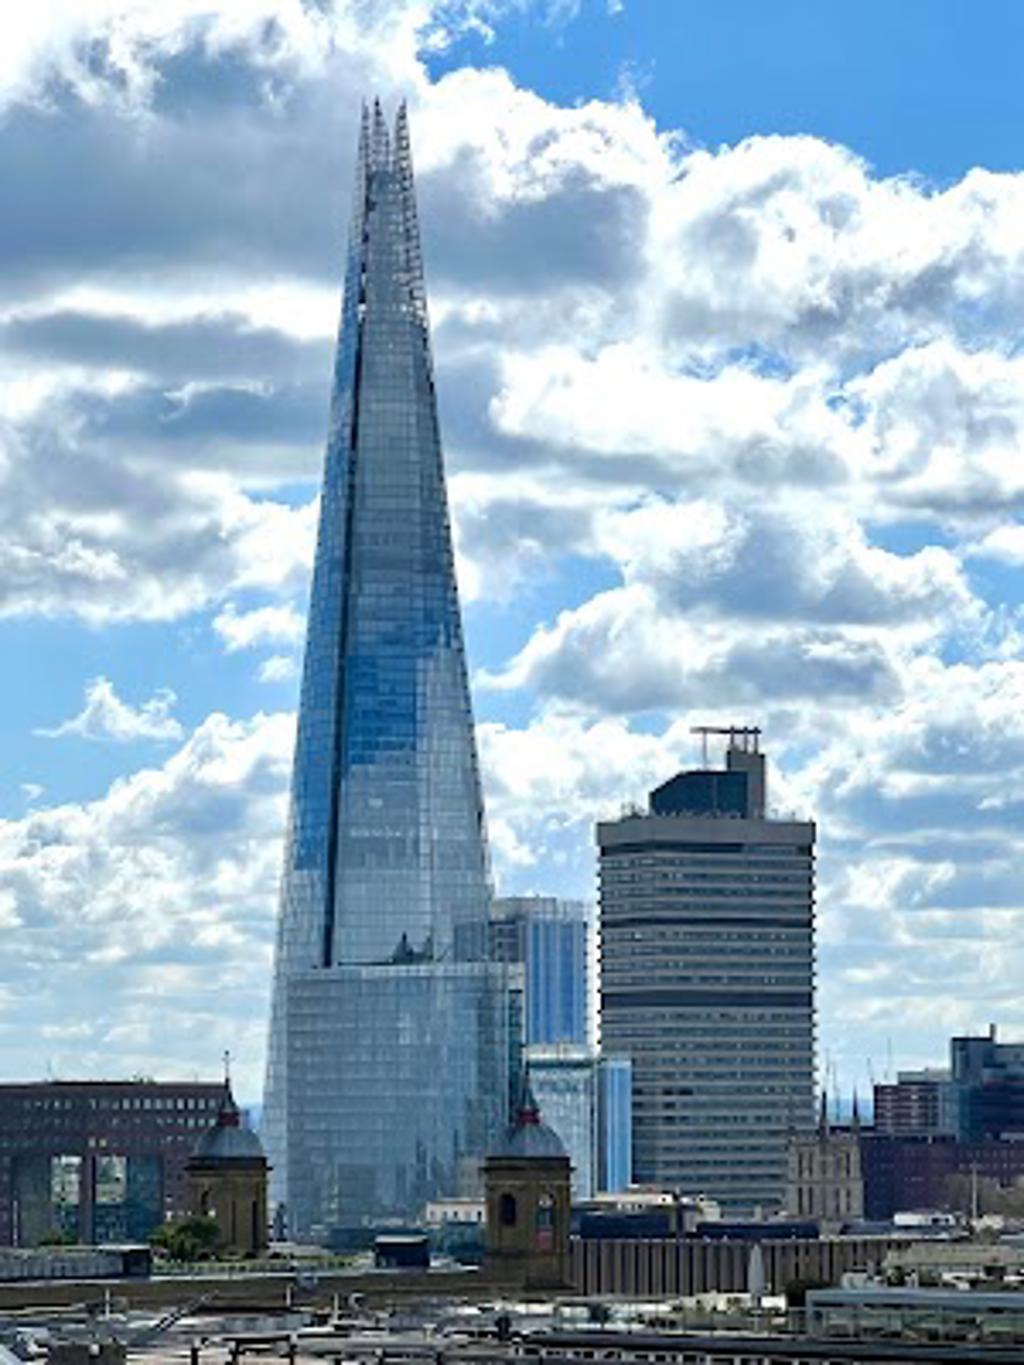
[796, 1290]
[196, 1238]
[58, 1237]
[964, 1191]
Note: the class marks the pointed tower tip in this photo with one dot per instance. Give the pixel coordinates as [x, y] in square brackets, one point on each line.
[381, 148]
[403, 155]
[529, 1109]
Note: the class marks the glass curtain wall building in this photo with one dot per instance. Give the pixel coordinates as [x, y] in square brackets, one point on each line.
[614, 1124]
[551, 939]
[587, 1100]
[392, 1032]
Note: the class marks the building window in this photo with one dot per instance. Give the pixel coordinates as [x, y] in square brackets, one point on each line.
[507, 1211]
[545, 1222]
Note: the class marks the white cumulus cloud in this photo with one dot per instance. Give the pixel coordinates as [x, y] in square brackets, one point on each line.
[105, 716]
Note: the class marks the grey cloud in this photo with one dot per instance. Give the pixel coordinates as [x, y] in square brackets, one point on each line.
[780, 567]
[579, 231]
[466, 384]
[276, 434]
[511, 528]
[918, 817]
[620, 674]
[237, 193]
[205, 347]
[765, 251]
[87, 530]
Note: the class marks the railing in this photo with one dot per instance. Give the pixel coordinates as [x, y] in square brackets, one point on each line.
[246, 1269]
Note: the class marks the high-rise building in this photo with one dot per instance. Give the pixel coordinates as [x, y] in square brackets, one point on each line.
[551, 938]
[391, 1037]
[707, 979]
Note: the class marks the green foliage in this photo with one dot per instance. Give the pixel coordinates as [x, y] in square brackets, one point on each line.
[196, 1238]
[796, 1290]
[56, 1237]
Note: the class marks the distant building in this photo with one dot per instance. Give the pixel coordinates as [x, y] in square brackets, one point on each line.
[707, 979]
[586, 1099]
[936, 1172]
[978, 1098]
[988, 1085]
[639, 1212]
[440, 1212]
[226, 1177]
[551, 939]
[824, 1180]
[99, 1161]
[564, 1081]
[918, 1103]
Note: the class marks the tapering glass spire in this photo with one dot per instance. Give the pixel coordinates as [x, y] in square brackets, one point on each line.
[374, 1101]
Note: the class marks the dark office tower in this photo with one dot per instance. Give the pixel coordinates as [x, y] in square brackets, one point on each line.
[389, 1048]
[707, 979]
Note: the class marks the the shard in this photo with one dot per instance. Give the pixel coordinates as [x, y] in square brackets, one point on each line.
[391, 1035]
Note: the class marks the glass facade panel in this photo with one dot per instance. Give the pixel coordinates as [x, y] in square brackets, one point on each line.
[564, 1082]
[614, 1124]
[551, 938]
[396, 1086]
[385, 889]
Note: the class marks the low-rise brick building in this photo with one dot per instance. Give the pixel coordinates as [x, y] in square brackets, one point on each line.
[97, 1161]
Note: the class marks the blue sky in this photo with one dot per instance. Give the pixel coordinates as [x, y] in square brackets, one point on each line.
[917, 87]
[726, 308]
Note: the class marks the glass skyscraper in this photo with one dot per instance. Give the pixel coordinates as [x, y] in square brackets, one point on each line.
[392, 1033]
[551, 938]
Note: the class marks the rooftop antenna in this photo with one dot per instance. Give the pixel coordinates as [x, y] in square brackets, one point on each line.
[227, 1070]
[746, 738]
[836, 1116]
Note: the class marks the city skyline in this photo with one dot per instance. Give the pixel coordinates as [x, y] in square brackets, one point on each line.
[732, 431]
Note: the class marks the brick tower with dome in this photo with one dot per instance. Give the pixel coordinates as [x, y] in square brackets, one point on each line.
[227, 1180]
[527, 1183]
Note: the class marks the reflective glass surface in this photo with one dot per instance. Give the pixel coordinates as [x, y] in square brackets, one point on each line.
[551, 938]
[564, 1081]
[396, 1086]
[385, 877]
[614, 1123]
